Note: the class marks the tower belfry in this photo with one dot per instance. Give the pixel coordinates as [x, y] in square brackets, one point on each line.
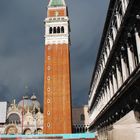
[57, 87]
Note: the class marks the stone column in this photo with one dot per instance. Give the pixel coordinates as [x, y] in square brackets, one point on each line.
[108, 91]
[137, 37]
[107, 50]
[102, 103]
[123, 6]
[102, 68]
[99, 105]
[97, 80]
[105, 56]
[99, 71]
[105, 134]
[115, 85]
[103, 62]
[126, 3]
[106, 96]
[119, 76]
[110, 42]
[118, 19]
[114, 32]
[111, 86]
[124, 65]
[104, 99]
[131, 58]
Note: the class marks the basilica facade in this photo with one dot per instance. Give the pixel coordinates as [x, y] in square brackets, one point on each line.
[24, 117]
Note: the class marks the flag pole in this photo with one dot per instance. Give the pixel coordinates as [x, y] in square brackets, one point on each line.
[22, 113]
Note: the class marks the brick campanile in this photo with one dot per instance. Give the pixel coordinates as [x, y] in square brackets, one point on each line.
[57, 87]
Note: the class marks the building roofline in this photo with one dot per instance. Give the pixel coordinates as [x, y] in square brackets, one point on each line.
[105, 29]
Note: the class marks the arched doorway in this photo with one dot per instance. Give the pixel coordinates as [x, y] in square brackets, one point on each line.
[13, 118]
[11, 130]
[27, 131]
[39, 131]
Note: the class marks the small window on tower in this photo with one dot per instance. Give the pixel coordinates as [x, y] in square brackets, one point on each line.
[48, 78]
[48, 125]
[58, 29]
[62, 29]
[50, 30]
[49, 67]
[49, 47]
[54, 30]
[49, 57]
[48, 89]
[48, 113]
[48, 101]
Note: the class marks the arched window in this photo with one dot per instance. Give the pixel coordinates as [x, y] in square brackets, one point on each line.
[80, 130]
[62, 29]
[13, 118]
[11, 130]
[50, 30]
[58, 29]
[54, 30]
[82, 117]
[73, 129]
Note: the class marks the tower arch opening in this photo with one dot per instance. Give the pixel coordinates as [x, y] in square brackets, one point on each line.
[58, 30]
[50, 30]
[54, 30]
[62, 29]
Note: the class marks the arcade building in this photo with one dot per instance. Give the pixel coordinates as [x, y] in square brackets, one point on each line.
[114, 97]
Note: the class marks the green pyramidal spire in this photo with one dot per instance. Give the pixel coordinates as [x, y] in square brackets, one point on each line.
[54, 3]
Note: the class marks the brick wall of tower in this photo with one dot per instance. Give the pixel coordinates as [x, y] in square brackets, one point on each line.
[57, 90]
[62, 12]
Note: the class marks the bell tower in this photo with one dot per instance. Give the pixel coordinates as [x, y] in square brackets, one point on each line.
[57, 86]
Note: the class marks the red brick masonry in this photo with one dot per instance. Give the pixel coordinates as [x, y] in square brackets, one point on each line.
[57, 90]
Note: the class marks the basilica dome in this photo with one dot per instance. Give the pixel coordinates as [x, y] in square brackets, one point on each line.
[25, 103]
[35, 102]
[29, 103]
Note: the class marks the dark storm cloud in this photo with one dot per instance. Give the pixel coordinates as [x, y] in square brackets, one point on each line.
[22, 41]
[21, 47]
[87, 20]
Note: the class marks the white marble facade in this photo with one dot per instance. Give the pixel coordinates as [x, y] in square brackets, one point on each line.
[24, 117]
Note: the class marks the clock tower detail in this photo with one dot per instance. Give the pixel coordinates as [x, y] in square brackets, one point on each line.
[57, 87]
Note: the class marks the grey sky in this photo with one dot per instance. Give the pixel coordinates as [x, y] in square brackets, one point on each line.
[22, 46]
